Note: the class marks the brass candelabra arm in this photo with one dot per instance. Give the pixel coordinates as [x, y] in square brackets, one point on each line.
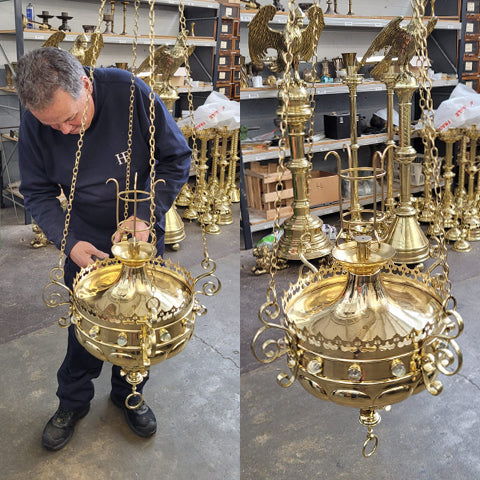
[54, 293]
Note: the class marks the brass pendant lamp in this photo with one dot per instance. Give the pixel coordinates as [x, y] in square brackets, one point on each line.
[136, 309]
[366, 332]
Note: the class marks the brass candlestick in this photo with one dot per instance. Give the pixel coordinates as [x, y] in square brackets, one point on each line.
[405, 235]
[112, 11]
[460, 191]
[124, 18]
[352, 80]
[222, 203]
[350, 2]
[427, 212]
[470, 214]
[232, 190]
[210, 216]
[213, 178]
[301, 222]
[200, 195]
[448, 206]
[389, 79]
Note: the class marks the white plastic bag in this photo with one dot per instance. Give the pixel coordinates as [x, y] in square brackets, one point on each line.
[462, 109]
[217, 111]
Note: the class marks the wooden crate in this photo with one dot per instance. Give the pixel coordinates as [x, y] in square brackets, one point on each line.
[261, 183]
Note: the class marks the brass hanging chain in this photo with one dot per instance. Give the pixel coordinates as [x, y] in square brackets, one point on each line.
[78, 153]
[183, 36]
[131, 106]
[151, 129]
[427, 119]
[272, 307]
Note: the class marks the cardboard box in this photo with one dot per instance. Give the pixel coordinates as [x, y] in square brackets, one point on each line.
[323, 188]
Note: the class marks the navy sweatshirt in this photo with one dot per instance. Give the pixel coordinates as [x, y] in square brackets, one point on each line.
[47, 158]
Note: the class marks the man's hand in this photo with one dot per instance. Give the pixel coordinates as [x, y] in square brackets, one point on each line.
[141, 229]
[82, 253]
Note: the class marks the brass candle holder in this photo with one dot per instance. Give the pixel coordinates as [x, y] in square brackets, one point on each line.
[460, 191]
[352, 80]
[450, 137]
[405, 235]
[124, 18]
[232, 190]
[389, 78]
[112, 11]
[470, 214]
[427, 211]
[222, 202]
[199, 200]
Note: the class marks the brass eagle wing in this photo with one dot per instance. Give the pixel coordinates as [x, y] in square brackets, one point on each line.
[92, 53]
[384, 39]
[261, 37]
[54, 39]
[311, 34]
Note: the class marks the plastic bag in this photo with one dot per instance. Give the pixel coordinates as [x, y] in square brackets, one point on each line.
[460, 110]
[217, 111]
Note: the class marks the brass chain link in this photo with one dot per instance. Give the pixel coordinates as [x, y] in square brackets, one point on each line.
[427, 119]
[131, 106]
[151, 129]
[285, 86]
[78, 153]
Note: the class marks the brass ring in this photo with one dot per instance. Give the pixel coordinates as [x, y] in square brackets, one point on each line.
[134, 394]
[370, 437]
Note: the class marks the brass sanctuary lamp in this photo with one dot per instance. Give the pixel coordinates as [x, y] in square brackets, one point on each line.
[295, 109]
[366, 332]
[135, 309]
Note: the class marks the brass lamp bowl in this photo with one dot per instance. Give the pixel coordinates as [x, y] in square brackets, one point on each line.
[134, 312]
[371, 336]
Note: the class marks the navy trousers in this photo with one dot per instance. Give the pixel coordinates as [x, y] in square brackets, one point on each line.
[79, 368]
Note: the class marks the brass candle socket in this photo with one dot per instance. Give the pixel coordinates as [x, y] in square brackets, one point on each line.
[405, 235]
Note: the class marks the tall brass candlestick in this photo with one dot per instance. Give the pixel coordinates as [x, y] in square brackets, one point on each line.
[427, 213]
[232, 191]
[470, 215]
[112, 11]
[448, 206]
[124, 18]
[302, 222]
[222, 203]
[405, 235]
[389, 79]
[352, 80]
[460, 191]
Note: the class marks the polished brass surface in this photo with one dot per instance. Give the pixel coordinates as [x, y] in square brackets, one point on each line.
[389, 78]
[470, 213]
[302, 222]
[231, 188]
[221, 201]
[300, 42]
[450, 137]
[405, 234]
[112, 12]
[352, 80]
[427, 211]
[174, 228]
[185, 196]
[124, 31]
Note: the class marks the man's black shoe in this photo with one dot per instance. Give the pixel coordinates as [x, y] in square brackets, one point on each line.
[141, 419]
[59, 429]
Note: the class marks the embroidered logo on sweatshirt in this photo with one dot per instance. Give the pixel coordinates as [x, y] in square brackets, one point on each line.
[122, 157]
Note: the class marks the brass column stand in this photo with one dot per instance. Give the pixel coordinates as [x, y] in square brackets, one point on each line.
[301, 222]
[448, 206]
[427, 213]
[199, 200]
[352, 80]
[470, 215]
[221, 200]
[405, 235]
[232, 191]
[389, 79]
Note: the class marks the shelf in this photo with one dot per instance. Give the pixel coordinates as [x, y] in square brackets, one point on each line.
[322, 146]
[118, 39]
[332, 89]
[189, 3]
[352, 21]
[258, 223]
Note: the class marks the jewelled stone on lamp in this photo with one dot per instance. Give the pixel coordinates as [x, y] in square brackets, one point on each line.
[165, 336]
[354, 372]
[398, 369]
[281, 342]
[122, 339]
[94, 331]
[315, 366]
[189, 323]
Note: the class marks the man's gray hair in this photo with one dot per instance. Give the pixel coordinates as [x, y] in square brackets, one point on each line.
[41, 72]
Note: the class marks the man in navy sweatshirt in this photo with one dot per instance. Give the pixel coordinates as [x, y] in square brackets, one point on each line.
[55, 88]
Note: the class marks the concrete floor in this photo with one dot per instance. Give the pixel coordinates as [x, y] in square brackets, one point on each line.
[195, 395]
[287, 433]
